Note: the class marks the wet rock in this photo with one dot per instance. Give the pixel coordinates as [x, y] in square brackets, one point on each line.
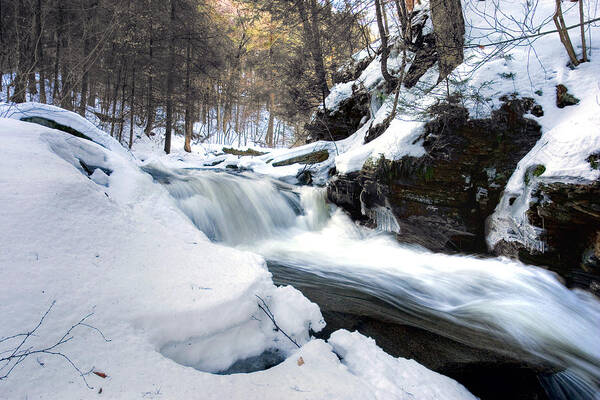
[55, 125]
[304, 177]
[425, 57]
[537, 111]
[352, 70]
[345, 191]
[594, 160]
[377, 130]
[237, 152]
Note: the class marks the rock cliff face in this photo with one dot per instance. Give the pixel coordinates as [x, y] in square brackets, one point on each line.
[569, 216]
[441, 200]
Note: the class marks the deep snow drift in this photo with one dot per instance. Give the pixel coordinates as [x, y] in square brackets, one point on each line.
[118, 246]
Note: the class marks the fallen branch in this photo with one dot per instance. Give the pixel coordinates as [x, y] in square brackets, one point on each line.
[265, 308]
[21, 352]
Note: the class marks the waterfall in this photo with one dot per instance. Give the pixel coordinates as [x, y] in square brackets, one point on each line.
[524, 306]
[231, 208]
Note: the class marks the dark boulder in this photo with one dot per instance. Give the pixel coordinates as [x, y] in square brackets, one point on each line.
[564, 98]
[340, 123]
[304, 177]
[310, 158]
[55, 125]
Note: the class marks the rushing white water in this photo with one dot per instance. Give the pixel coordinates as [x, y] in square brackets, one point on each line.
[231, 208]
[525, 306]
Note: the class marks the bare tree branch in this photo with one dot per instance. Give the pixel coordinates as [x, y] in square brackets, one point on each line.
[20, 352]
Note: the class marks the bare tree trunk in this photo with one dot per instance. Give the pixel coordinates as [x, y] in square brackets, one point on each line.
[131, 106]
[20, 80]
[41, 66]
[8, 86]
[65, 90]
[86, 51]
[122, 114]
[106, 96]
[385, 18]
[237, 111]
[218, 107]
[84, 82]
[564, 34]
[583, 46]
[150, 104]
[2, 48]
[271, 106]
[58, 38]
[91, 100]
[320, 68]
[188, 98]
[113, 118]
[171, 66]
[313, 40]
[385, 52]
[254, 139]
[404, 20]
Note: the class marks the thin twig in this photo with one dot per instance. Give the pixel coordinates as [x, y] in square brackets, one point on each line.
[20, 354]
[268, 313]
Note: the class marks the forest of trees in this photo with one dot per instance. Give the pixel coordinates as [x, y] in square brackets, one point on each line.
[165, 65]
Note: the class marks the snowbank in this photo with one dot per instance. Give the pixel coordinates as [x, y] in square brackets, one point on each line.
[380, 372]
[63, 117]
[570, 134]
[399, 140]
[166, 298]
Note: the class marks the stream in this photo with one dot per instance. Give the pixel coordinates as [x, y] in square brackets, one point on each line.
[503, 329]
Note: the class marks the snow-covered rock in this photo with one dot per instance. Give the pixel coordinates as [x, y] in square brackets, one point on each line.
[64, 117]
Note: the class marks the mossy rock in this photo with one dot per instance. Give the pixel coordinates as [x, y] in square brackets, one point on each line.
[236, 152]
[534, 170]
[310, 158]
[427, 173]
[55, 125]
[594, 160]
[564, 98]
